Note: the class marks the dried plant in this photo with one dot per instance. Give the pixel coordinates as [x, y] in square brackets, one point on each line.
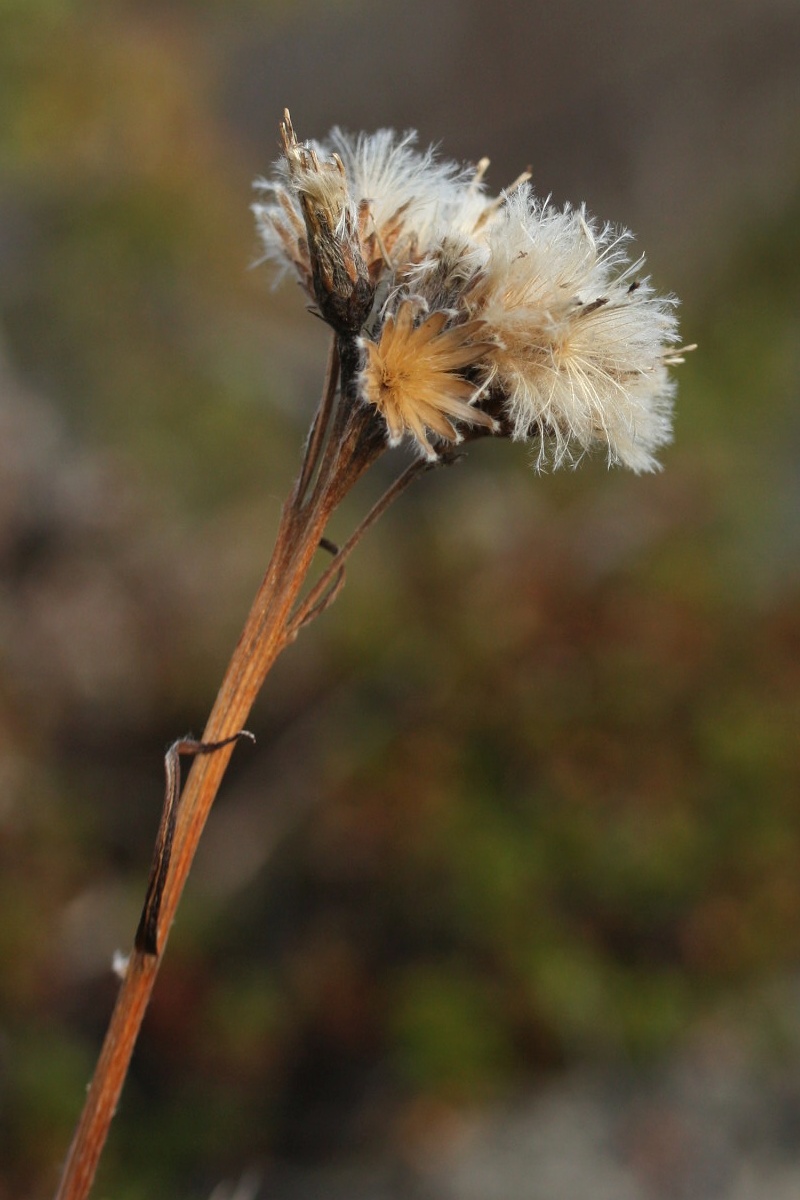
[454, 316]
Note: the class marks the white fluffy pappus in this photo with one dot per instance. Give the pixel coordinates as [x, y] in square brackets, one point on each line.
[388, 172]
[581, 345]
[405, 195]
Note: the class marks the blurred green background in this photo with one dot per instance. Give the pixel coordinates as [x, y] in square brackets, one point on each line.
[528, 796]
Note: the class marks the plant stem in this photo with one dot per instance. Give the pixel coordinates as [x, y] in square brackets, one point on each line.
[350, 449]
[320, 424]
[327, 587]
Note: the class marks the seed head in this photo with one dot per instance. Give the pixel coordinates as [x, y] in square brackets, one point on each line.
[414, 376]
[462, 306]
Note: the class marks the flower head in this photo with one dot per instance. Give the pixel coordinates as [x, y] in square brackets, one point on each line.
[379, 199]
[581, 343]
[414, 377]
[461, 305]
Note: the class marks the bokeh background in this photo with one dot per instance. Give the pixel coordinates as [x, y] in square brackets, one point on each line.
[506, 901]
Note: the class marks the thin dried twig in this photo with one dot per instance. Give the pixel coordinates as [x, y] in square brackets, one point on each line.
[331, 581]
[321, 422]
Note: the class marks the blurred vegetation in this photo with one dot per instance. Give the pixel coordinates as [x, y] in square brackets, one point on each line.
[537, 782]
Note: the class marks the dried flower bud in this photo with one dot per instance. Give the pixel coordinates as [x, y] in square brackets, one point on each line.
[331, 261]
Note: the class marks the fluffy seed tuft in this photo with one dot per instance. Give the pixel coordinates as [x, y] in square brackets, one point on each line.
[464, 305]
[414, 377]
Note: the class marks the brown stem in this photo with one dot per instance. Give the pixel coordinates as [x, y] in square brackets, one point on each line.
[320, 425]
[264, 636]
